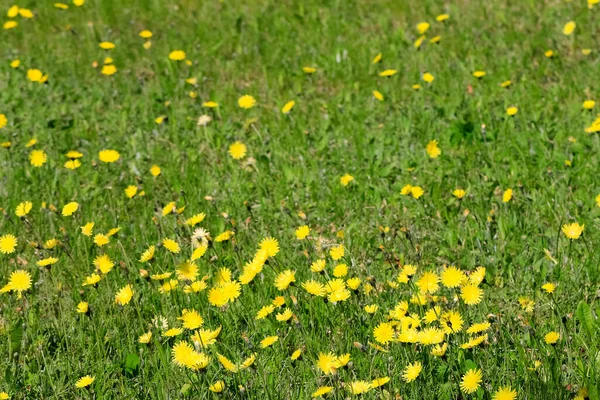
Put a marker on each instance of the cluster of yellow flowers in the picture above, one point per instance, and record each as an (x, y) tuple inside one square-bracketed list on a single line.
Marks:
[(432, 312)]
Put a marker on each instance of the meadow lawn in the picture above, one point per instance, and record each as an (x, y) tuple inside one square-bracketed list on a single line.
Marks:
[(264, 199)]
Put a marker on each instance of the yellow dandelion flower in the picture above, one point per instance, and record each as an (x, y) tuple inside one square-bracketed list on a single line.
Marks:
[(359, 387), (573, 231), (302, 232), (177, 55), (346, 179), (285, 279), (70, 208), (569, 28), (470, 381), (433, 150), (37, 158), (108, 156), (84, 381), (83, 307), (145, 338), (384, 333), (505, 393), (422, 27), (459, 193), (23, 208), (322, 390), (124, 295), (217, 387), (171, 245), (246, 101), (412, 371), (131, 191), (388, 73), (471, 294), (288, 107), (10, 25), (428, 77), (327, 363), (237, 150), (268, 341), (552, 337), (549, 287), (87, 229), (109, 70), (507, 195), (227, 364), (336, 252)]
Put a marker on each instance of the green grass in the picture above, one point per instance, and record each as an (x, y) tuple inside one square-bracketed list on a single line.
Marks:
[(294, 163)]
